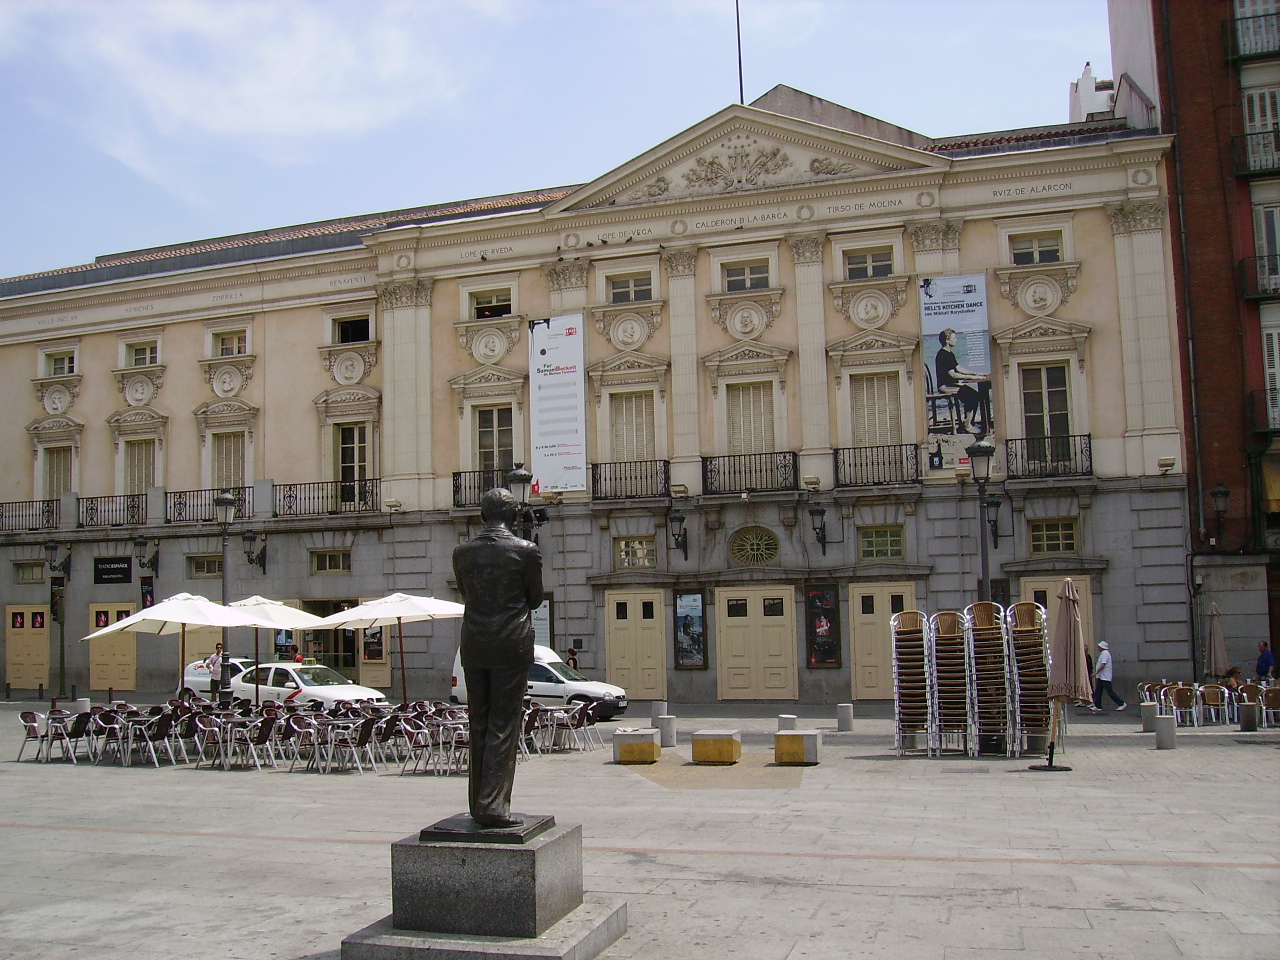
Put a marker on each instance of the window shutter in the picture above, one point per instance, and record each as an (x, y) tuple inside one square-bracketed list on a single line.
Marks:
[(228, 460), (877, 412), (139, 465), (750, 418), (632, 426), (1271, 374)]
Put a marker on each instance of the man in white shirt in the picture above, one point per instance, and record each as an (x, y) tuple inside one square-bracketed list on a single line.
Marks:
[(1102, 680), (214, 663)]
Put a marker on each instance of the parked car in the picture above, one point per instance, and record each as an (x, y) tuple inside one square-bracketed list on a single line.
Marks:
[(196, 679), (552, 681), (301, 683)]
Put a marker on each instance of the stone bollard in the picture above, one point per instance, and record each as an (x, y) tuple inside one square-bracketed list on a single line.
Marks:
[(82, 705), (667, 731), (1149, 713), (719, 747), (657, 708), (844, 717), (796, 748), (1248, 714), (786, 721), (1166, 731), (636, 746)]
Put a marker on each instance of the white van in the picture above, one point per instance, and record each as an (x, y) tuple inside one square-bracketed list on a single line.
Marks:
[(553, 682)]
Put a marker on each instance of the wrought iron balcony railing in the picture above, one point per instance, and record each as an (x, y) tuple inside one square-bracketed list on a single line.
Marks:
[(1260, 277), (870, 466), (1248, 37), (196, 506), (750, 472), (327, 497), (1257, 154), (1037, 457), (30, 515), (630, 479), (127, 510), (470, 485)]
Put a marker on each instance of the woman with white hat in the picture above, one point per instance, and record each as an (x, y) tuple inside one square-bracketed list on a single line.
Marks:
[(1102, 680)]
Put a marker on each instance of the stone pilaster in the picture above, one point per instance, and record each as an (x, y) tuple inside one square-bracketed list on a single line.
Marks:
[(686, 445), (408, 468), (936, 244), (815, 451), (567, 280)]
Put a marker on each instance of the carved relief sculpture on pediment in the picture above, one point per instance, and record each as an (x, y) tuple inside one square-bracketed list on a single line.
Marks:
[(1040, 337), (630, 369), (748, 358), (935, 236), (349, 363), (566, 275), (746, 314), (1039, 289), (138, 423), (228, 375), (489, 384), (872, 302), (489, 339), (872, 348), (57, 394), (740, 162), (228, 413), (405, 293), (348, 403), (628, 326), (55, 431), (139, 385)]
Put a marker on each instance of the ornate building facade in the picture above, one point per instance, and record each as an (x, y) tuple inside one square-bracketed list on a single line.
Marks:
[(794, 320)]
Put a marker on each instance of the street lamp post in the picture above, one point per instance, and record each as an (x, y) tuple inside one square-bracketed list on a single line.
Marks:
[(224, 507), (980, 453), (518, 482), (1221, 496), (58, 605)]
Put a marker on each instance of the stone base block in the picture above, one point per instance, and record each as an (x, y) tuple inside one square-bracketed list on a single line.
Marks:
[(637, 746), (1166, 733), (796, 748), (1149, 713), (582, 935), (717, 746), (487, 889)]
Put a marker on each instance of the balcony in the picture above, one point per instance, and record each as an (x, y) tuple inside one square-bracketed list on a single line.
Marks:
[(327, 498), (1260, 277), (29, 515), (196, 506), (629, 480), (1036, 458), (1247, 38), (1257, 154), (470, 485), (750, 473), (129, 510), (872, 466)]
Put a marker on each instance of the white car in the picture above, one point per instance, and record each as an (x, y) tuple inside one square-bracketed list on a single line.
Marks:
[(196, 679), (554, 682), (301, 683)]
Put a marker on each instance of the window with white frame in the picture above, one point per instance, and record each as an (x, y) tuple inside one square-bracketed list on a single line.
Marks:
[(1046, 413), (228, 460), (331, 561), (631, 420), (352, 455), (1035, 248), (865, 264), (353, 329), (490, 303), (494, 438), (57, 471), (139, 465), (740, 277), (1053, 536), (750, 417), (61, 363), (231, 343), (876, 409), (631, 288), (142, 353), (28, 571), (880, 542), (206, 567), (632, 553)]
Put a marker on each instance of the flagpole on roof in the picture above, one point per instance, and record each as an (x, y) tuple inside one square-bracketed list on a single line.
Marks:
[(737, 19)]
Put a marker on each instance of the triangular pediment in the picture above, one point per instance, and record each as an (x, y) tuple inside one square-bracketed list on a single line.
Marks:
[(488, 375), (629, 362), (872, 348), (744, 149), (1043, 336)]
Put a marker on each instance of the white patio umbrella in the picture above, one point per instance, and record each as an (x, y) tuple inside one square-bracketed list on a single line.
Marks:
[(175, 614), (281, 616), (1215, 656), (1068, 672), (396, 608)]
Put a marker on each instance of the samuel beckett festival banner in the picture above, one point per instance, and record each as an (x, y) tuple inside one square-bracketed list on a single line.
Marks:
[(558, 404)]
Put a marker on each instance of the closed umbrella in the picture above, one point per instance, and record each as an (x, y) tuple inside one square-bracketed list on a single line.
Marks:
[(1068, 672), (398, 608), (281, 616), (1215, 657)]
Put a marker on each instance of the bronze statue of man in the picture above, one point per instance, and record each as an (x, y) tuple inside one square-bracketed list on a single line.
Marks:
[(500, 578)]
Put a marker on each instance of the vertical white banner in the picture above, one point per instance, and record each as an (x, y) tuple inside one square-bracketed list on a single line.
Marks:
[(558, 404)]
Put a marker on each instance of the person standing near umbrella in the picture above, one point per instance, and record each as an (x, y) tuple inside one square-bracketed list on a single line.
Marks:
[(214, 663), (1102, 680), (500, 578)]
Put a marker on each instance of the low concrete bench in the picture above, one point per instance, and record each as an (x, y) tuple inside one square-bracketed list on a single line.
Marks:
[(796, 748), (717, 746), (636, 746)]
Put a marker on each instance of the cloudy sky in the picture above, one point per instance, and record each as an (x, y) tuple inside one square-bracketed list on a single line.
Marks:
[(128, 124)]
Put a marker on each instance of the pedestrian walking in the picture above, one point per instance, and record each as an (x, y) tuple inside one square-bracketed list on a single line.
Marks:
[(1266, 665), (1102, 680)]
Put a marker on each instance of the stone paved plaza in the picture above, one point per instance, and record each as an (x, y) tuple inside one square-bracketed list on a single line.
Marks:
[(1135, 853)]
